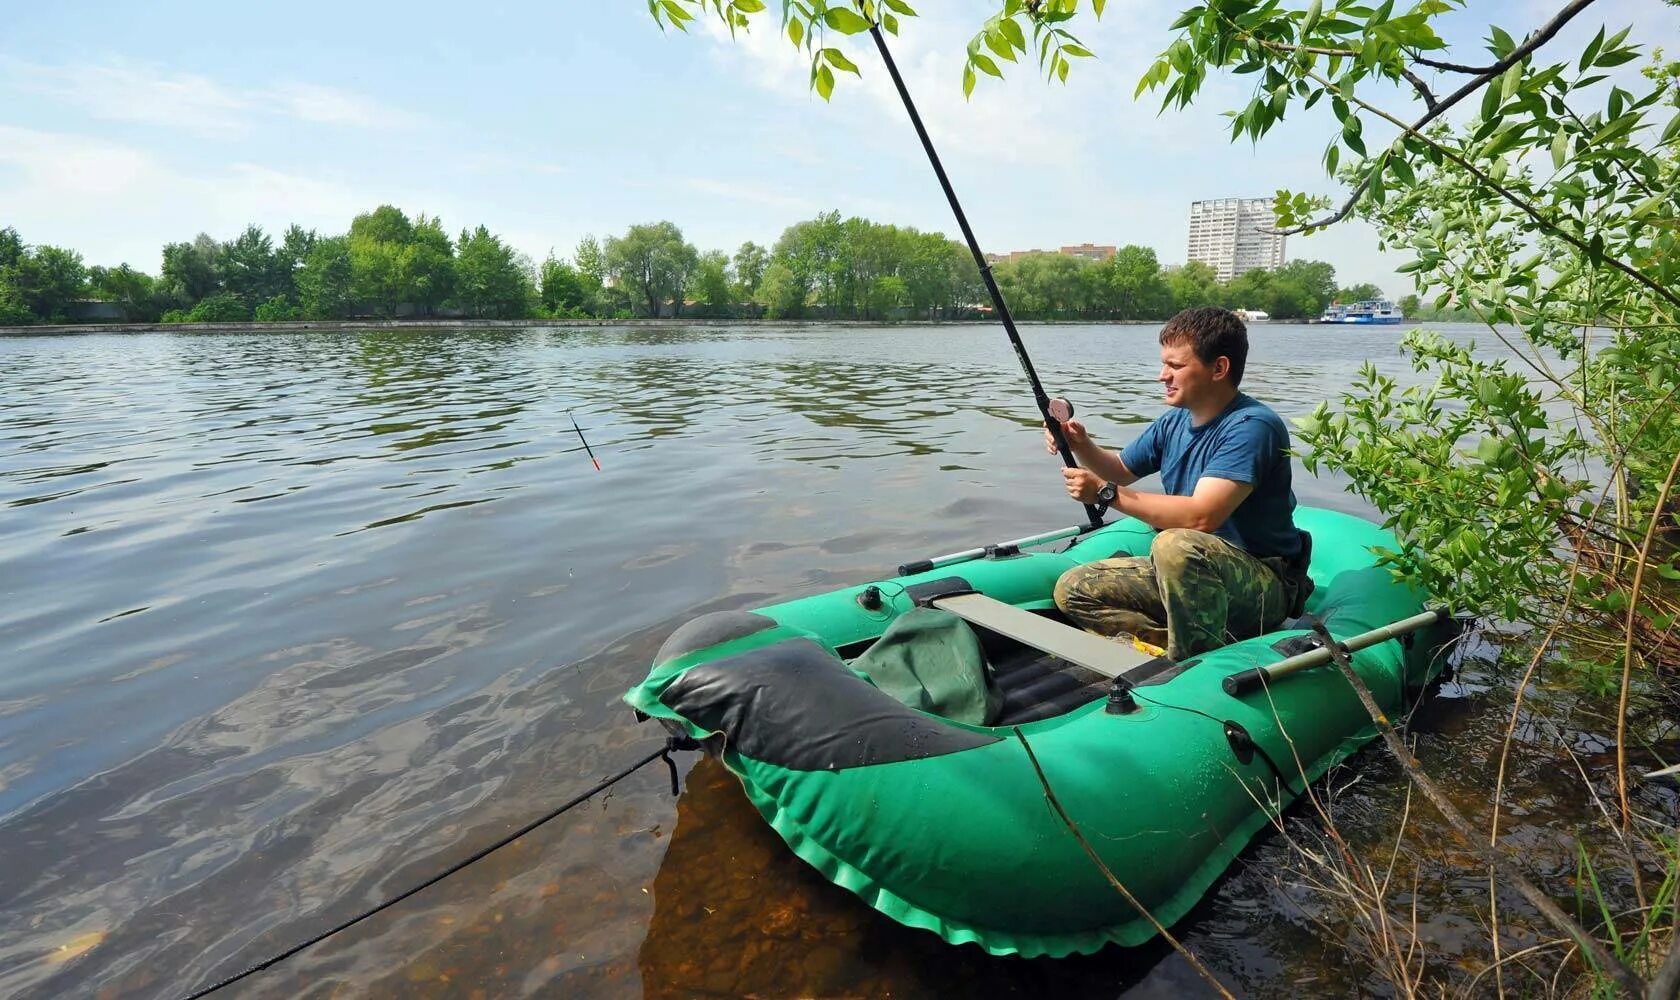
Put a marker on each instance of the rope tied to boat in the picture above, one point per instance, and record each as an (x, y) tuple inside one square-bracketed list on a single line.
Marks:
[(663, 753)]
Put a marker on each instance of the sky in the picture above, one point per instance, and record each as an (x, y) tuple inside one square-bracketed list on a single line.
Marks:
[(124, 126)]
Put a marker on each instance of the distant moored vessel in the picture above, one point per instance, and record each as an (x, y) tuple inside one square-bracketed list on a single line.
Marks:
[(1363, 312), (1253, 315)]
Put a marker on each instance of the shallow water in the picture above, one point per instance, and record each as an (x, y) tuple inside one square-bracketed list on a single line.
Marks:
[(294, 620)]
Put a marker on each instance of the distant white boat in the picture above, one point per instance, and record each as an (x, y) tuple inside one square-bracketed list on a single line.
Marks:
[(1363, 313), (1253, 315)]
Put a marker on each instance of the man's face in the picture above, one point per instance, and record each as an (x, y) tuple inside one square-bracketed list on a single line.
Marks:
[(1187, 379)]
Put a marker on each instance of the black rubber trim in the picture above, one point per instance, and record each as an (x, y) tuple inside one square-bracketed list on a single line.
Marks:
[(793, 705), (1295, 645), (924, 594), (1158, 671), (709, 630)]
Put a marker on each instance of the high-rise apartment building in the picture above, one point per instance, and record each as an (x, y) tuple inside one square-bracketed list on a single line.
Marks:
[(1232, 234)]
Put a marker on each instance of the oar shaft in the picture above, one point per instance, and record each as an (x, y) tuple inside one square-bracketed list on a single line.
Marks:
[(1092, 512), (923, 565), (1253, 679)]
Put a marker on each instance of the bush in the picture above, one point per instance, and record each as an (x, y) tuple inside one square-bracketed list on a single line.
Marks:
[(279, 309), (219, 308)]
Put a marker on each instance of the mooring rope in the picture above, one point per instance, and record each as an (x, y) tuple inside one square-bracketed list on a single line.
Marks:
[(671, 743)]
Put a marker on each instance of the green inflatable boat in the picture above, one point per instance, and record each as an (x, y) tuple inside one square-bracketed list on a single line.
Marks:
[(875, 729)]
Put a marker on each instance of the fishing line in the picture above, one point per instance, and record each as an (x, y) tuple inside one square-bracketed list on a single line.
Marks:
[(671, 743)]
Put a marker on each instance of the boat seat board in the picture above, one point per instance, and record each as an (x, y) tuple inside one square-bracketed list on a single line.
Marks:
[(1085, 649)]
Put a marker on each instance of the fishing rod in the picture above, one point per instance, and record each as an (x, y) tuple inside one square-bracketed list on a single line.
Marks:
[(1094, 512)]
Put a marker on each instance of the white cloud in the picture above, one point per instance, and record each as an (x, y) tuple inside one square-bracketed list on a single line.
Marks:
[(752, 193), (110, 201), (120, 90)]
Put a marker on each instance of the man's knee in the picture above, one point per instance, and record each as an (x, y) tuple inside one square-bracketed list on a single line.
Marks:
[(1173, 549), (1070, 587)]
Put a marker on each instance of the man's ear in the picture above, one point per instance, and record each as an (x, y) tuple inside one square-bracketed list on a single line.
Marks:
[(1221, 367)]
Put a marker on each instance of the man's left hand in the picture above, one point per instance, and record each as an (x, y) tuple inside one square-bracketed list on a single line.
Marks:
[(1082, 484)]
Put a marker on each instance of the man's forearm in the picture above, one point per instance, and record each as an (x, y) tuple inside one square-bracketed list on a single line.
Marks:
[(1162, 511), (1106, 464)]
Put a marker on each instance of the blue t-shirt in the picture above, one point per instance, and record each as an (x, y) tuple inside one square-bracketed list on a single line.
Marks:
[(1247, 443)]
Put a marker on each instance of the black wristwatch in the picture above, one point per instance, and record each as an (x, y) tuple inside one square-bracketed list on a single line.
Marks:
[(1105, 495)]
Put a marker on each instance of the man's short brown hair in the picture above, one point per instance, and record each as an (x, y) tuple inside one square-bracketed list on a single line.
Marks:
[(1212, 333)]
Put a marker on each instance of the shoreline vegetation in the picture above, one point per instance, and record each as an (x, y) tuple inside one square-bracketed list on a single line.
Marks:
[(391, 267), (640, 322)]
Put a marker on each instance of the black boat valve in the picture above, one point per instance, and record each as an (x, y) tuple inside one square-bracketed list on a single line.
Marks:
[(1120, 700), (870, 598)]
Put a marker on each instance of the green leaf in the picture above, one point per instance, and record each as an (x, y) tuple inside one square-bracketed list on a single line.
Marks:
[(968, 81), (996, 41), (1560, 149), (749, 6), (838, 60), (1097, 5), (890, 22), (1501, 43), (1591, 50), (1013, 32), (901, 7), (825, 82), (1312, 17), (1672, 130), (1509, 83), (844, 21), (1077, 50), (985, 65)]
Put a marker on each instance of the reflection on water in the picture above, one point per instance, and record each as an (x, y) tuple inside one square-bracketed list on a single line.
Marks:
[(293, 620)]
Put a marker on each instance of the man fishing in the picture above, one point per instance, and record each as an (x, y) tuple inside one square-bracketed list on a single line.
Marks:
[(1225, 565)]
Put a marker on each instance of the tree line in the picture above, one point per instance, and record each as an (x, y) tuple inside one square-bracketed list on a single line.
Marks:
[(389, 265)]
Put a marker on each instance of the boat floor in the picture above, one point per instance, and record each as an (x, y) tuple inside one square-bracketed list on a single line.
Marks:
[(1038, 685)]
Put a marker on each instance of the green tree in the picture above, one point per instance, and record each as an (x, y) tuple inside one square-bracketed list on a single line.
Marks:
[(377, 273), (653, 263), (11, 248), (134, 291), (563, 289), (326, 281), (711, 284), (489, 280), (385, 224), (1192, 284), (750, 262), (1359, 293), (47, 280), (251, 271), (191, 271), (1136, 289), (427, 269), (781, 292)]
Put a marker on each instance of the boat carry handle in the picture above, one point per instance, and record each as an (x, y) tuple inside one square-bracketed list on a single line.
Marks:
[(1253, 679)]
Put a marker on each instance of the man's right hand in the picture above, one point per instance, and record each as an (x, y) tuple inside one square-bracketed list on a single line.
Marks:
[(1074, 431)]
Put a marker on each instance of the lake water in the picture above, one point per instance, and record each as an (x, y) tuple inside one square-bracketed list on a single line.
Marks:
[(291, 621)]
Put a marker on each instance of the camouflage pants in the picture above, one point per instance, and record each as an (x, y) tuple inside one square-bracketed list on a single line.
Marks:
[(1192, 593)]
